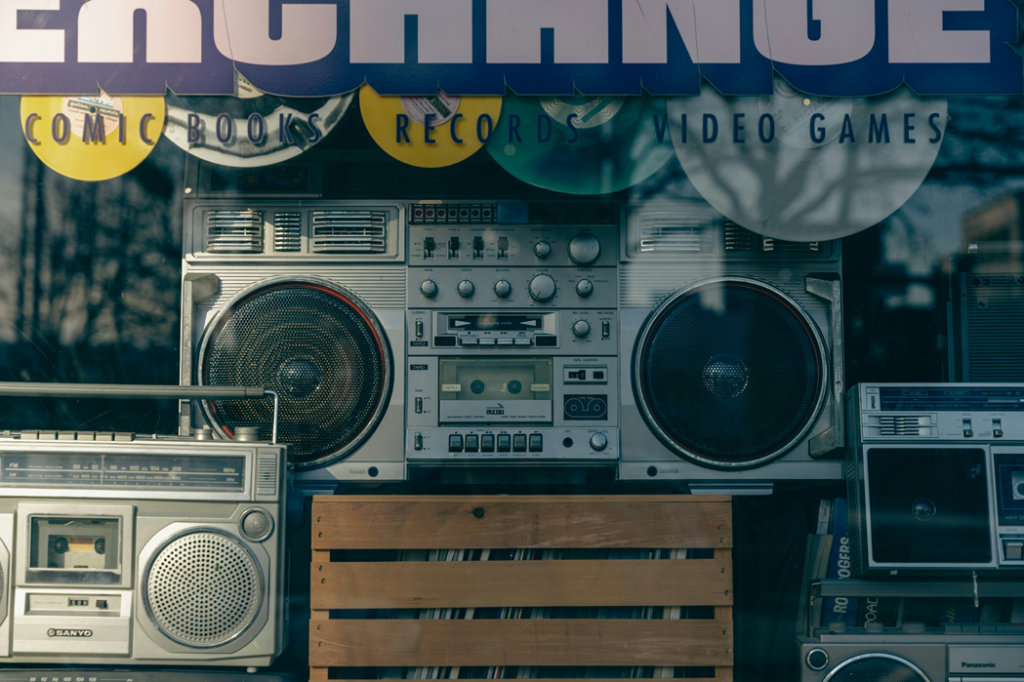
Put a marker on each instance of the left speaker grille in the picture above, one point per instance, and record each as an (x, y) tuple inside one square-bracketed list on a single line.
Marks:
[(203, 589), (319, 348)]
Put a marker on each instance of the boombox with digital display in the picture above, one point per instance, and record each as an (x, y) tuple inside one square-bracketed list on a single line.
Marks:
[(935, 477)]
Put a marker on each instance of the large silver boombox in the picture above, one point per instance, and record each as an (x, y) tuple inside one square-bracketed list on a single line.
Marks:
[(120, 549), (655, 339)]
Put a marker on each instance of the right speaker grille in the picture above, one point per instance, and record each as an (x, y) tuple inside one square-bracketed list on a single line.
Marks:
[(876, 668), (730, 373), (203, 589)]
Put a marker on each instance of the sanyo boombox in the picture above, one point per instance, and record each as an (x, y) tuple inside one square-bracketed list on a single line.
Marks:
[(914, 653), (935, 477), (657, 341), (118, 549)]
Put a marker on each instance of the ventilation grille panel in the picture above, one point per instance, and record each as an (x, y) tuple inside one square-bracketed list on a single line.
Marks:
[(349, 231), (203, 589), (234, 231), (904, 425), (287, 231), (266, 475), (995, 322), (673, 232), (738, 238)]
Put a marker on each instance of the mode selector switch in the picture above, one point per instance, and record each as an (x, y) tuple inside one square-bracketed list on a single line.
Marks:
[(968, 429)]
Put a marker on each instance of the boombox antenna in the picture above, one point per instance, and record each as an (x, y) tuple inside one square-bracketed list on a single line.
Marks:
[(140, 392)]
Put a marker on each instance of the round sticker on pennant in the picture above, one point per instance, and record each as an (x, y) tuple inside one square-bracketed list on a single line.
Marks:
[(251, 129), (92, 138), (442, 107), (457, 128)]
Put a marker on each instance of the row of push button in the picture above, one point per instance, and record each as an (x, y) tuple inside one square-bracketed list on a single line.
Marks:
[(506, 442), (500, 341)]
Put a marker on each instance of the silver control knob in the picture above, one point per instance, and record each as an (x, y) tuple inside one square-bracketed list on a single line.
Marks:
[(466, 289), (599, 441), (584, 288), (584, 249), (542, 249), (542, 288), (581, 328), (502, 288), (428, 288)]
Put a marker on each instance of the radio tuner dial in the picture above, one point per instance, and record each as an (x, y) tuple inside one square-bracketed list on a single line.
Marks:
[(584, 249), (581, 329), (428, 288), (502, 288), (466, 289), (542, 249), (599, 442), (542, 288), (584, 288)]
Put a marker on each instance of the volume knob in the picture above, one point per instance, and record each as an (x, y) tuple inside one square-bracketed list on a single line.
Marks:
[(584, 249), (466, 288), (542, 288)]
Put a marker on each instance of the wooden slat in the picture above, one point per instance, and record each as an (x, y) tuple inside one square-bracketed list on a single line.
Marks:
[(465, 584), (530, 521), (724, 613), (318, 618), (411, 643)]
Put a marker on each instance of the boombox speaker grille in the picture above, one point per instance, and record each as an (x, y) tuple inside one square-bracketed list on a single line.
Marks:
[(876, 668), (730, 373), (319, 347), (203, 589)]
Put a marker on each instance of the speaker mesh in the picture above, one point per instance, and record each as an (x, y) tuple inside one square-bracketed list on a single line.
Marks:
[(730, 373), (321, 352), (256, 524), (876, 668), (203, 589)]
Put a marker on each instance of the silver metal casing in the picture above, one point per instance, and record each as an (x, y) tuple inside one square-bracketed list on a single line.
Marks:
[(666, 251), (173, 510), (897, 421), (303, 241), (935, 655)]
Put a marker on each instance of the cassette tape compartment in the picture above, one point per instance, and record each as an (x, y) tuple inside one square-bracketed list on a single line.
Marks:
[(558, 529)]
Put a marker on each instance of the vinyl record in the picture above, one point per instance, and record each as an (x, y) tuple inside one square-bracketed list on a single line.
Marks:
[(381, 114), (227, 126), (803, 188), (612, 144), (117, 142)]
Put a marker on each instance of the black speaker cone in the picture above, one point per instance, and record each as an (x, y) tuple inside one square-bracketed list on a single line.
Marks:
[(730, 373), (319, 347)]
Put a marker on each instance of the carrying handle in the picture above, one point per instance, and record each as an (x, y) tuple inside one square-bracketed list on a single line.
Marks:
[(140, 392), (834, 437)]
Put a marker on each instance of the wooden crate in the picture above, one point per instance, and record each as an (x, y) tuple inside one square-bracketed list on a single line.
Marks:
[(496, 522)]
